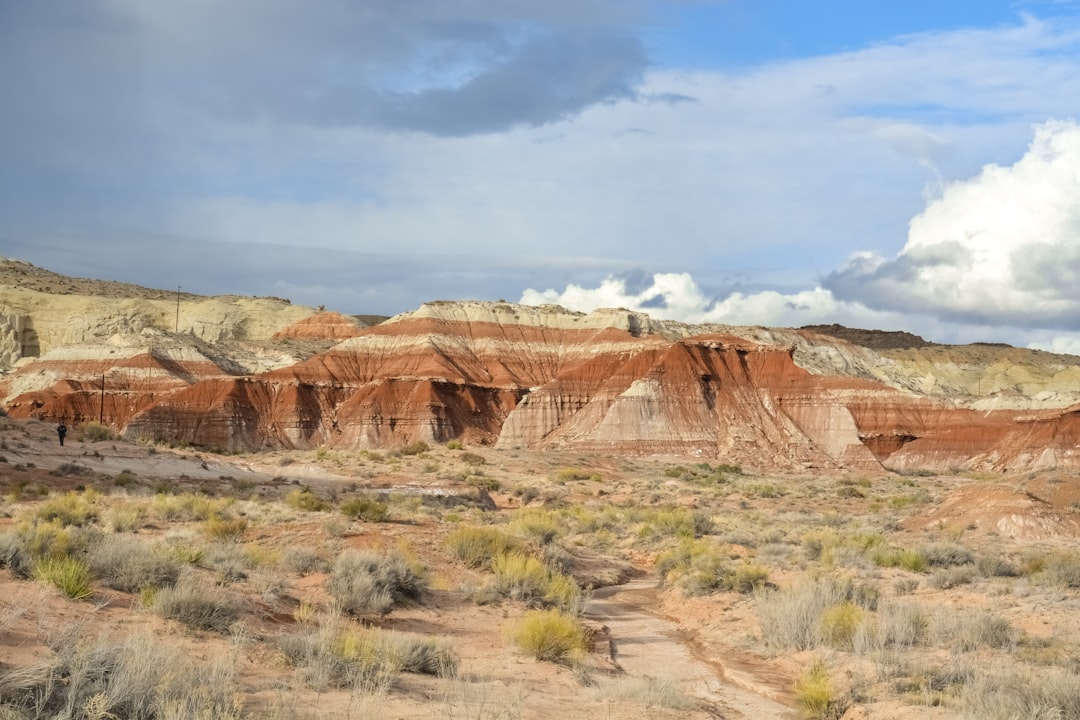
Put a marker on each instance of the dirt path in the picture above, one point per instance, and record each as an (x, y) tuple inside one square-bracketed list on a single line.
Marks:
[(645, 644)]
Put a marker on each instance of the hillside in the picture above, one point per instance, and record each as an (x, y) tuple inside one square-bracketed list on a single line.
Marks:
[(244, 374)]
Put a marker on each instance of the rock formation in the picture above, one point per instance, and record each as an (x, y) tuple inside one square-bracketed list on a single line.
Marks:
[(251, 374)]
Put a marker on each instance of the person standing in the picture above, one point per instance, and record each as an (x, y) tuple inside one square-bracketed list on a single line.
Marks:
[(61, 430)]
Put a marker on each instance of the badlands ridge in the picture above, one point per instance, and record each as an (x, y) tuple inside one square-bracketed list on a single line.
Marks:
[(234, 373)]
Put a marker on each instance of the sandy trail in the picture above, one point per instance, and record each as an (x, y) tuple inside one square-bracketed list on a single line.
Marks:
[(645, 644)]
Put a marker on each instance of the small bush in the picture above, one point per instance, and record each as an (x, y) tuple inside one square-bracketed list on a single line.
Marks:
[(72, 508), (366, 508), (454, 445), (479, 546), (568, 474), (815, 694), (840, 623), (306, 500), (471, 458), (947, 555), (225, 529), (365, 583), (550, 635), (303, 561), (912, 560), (95, 432), (523, 577), (129, 565), (414, 448), (70, 575), (196, 606)]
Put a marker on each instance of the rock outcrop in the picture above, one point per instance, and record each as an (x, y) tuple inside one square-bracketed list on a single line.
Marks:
[(520, 376)]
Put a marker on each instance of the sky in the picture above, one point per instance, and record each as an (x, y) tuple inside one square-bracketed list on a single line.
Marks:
[(901, 166)]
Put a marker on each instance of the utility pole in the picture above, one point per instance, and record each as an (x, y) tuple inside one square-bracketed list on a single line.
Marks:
[(177, 309)]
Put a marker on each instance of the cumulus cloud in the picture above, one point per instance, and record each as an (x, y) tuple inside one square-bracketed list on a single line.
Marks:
[(996, 254), (1000, 248)]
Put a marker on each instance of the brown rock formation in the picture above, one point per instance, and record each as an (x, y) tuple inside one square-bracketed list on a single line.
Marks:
[(610, 381)]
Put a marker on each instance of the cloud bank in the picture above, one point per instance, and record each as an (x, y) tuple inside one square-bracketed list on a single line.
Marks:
[(998, 250)]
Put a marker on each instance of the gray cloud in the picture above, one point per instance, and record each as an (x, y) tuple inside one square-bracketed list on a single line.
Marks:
[(446, 67)]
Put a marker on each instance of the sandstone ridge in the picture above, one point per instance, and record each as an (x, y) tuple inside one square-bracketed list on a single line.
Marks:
[(260, 373)]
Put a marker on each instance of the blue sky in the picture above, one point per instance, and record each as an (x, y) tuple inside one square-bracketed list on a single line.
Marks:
[(906, 166)]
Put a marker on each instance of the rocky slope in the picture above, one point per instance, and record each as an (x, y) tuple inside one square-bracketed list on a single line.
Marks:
[(260, 373)]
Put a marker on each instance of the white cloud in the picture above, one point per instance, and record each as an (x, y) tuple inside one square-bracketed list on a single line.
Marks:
[(1002, 247)]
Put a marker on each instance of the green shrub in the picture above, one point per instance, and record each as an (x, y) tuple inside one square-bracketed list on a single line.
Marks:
[(912, 560), (225, 529), (815, 694), (454, 444), (365, 583), (70, 575), (306, 500), (700, 567), (523, 577), (479, 546), (550, 635), (366, 508), (839, 624), (71, 508)]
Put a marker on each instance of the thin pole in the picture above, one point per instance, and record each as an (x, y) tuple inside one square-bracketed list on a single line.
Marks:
[(101, 412), (177, 309)]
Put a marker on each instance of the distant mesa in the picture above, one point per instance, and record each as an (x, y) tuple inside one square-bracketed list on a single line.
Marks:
[(247, 374)]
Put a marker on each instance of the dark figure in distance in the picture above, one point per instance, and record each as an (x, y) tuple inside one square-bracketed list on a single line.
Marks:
[(61, 430)]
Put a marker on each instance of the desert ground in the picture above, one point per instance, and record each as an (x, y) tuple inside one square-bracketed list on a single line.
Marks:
[(147, 581)]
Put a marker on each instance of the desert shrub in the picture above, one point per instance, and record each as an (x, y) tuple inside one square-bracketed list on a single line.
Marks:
[(137, 678), (897, 626), (71, 508), (699, 567), (947, 555), (367, 508), (454, 444), (65, 469), (523, 577), (674, 523), (550, 635), (543, 526), (197, 606), (568, 474), (95, 432), (414, 448), (364, 583), (478, 546), (68, 574), (124, 478), (303, 561), (949, 577), (995, 566), (188, 506), (1021, 694), (130, 565), (970, 629), (1061, 568), (840, 623), (471, 458), (482, 481), (306, 500), (815, 693), (225, 529), (124, 518), (912, 560), (791, 617), (35, 540)]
